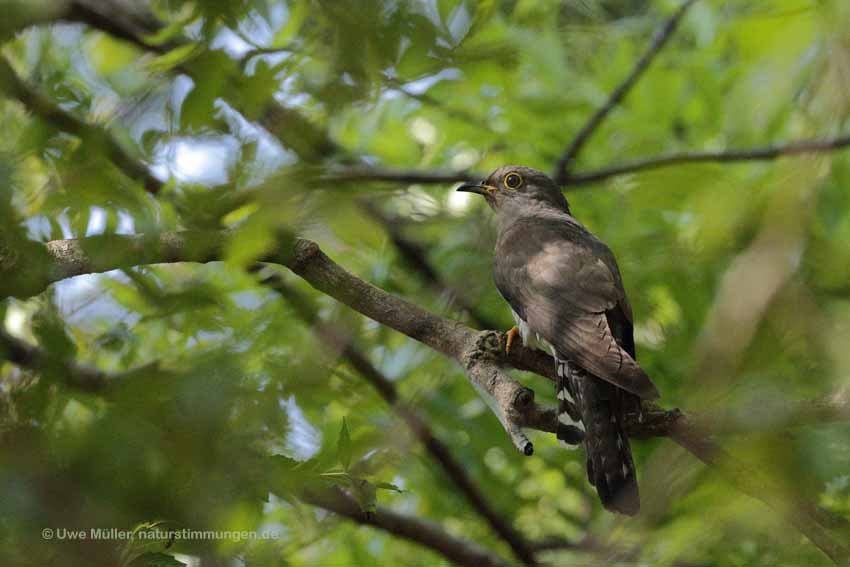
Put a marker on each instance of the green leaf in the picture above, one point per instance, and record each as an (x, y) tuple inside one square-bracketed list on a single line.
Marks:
[(338, 478), (210, 72), (388, 486), (344, 446), (174, 58)]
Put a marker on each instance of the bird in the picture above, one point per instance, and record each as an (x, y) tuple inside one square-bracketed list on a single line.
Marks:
[(563, 286)]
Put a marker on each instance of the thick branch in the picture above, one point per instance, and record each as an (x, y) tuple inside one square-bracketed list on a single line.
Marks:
[(764, 417), (641, 65), (413, 529), (72, 257), (451, 338), (508, 398), (96, 254), (30, 274), (770, 415), (765, 153)]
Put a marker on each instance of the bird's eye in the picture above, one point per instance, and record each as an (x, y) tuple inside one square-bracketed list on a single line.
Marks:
[(513, 180)]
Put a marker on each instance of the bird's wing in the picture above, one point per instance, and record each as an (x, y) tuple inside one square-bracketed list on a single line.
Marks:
[(564, 282)]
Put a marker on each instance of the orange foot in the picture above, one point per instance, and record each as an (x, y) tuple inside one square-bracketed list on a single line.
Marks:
[(511, 335)]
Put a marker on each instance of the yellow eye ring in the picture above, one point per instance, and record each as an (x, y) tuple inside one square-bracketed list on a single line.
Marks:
[(512, 180)]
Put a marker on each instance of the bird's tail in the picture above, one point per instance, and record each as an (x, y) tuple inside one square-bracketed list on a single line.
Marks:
[(570, 431), (610, 467)]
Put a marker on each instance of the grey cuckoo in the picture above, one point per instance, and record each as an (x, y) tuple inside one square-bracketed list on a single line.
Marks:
[(563, 286)]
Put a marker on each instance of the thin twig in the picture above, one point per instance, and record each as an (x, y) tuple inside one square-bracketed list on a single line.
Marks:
[(97, 136), (727, 156), (658, 41), (76, 375), (414, 529), (392, 175), (441, 177)]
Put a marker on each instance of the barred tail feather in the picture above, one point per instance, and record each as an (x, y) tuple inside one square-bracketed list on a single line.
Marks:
[(610, 467), (570, 431)]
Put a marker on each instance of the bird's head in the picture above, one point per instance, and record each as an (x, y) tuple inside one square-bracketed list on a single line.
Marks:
[(516, 185)]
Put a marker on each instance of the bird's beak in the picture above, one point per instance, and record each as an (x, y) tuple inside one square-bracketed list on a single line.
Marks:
[(480, 188)]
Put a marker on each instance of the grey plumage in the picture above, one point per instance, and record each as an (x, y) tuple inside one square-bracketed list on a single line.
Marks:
[(564, 284)]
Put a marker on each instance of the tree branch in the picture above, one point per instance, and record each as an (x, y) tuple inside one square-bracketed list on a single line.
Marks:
[(102, 253), (560, 175), (475, 351), (416, 530), (763, 417), (480, 354), (393, 175), (130, 21), (765, 153), (77, 376), (439, 177), (67, 258)]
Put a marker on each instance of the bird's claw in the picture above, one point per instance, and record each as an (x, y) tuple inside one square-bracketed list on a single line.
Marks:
[(510, 336)]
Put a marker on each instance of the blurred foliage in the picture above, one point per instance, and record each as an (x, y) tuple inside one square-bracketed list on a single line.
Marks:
[(738, 274)]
